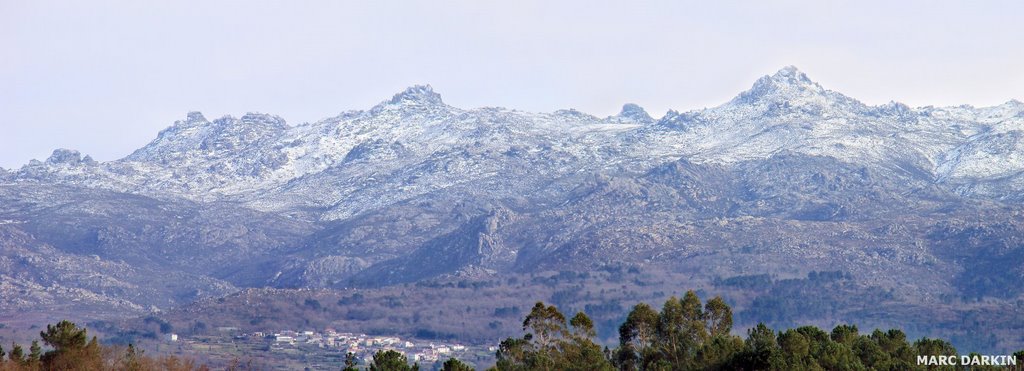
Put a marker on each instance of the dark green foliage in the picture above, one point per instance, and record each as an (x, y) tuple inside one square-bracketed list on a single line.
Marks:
[(845, 334), (453, 364), (552, 343), (71, 351), (390, 360), (166, 328), (759, 282), (761, 350), (685, 335), (718, 316), (515, 354), (17, 355), (935, 347), (835, 356), (35, 353), (506, 311), (718, 351), (784, 303), (64, 336), (312, 304), (354, 299), (637, 337)]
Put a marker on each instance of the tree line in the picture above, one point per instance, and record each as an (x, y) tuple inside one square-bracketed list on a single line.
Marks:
[(70, 348), (686, 334)]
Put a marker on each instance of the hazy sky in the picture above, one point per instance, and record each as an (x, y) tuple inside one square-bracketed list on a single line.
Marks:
[(105, 77)]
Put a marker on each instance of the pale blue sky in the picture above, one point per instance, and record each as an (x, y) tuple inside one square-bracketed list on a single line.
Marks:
[(104, 77)]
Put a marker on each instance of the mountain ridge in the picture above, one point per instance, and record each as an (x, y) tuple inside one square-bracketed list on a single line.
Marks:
[(783, 111), (786, 178)]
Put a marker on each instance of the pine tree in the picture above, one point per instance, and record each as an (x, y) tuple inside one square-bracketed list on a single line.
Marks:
[(845, 334), (390, 360), (453, 364), (64, 336), (17, 355), (761, 350), (35, 352)]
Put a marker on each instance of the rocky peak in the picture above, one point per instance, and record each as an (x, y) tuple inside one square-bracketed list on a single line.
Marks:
[(787, 83), (69, 157), (263, 120), (195, 117), (894, 108), (1014, 105), (574, 115), (635, 113), (790, 75), (418, 94)]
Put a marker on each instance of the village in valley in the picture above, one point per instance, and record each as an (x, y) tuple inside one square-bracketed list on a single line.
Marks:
[(320, 349)]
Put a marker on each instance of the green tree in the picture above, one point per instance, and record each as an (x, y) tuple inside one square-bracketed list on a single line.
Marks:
[(718, 351), (546, 324), (817, 339), (870, 353), (761, 351), (35, 352), (796, 350), (64, 335), (580, 352), (548, 344), (637, 336), (935, 347), (718, 316), (515, 354), (350, 362), (453, 364), (70, 349), (582, 326), (390, 360), (836, 356), (894, 344), (671, 333), (694, 330), (845, 334), (17, 355)]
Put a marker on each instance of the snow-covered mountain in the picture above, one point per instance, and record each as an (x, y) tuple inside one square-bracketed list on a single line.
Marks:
[(414, 143), (785, 178)]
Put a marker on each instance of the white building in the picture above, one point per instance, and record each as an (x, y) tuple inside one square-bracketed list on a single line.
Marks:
[(284, 339)]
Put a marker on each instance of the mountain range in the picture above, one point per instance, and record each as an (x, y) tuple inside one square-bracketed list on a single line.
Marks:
[(786, 178)]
